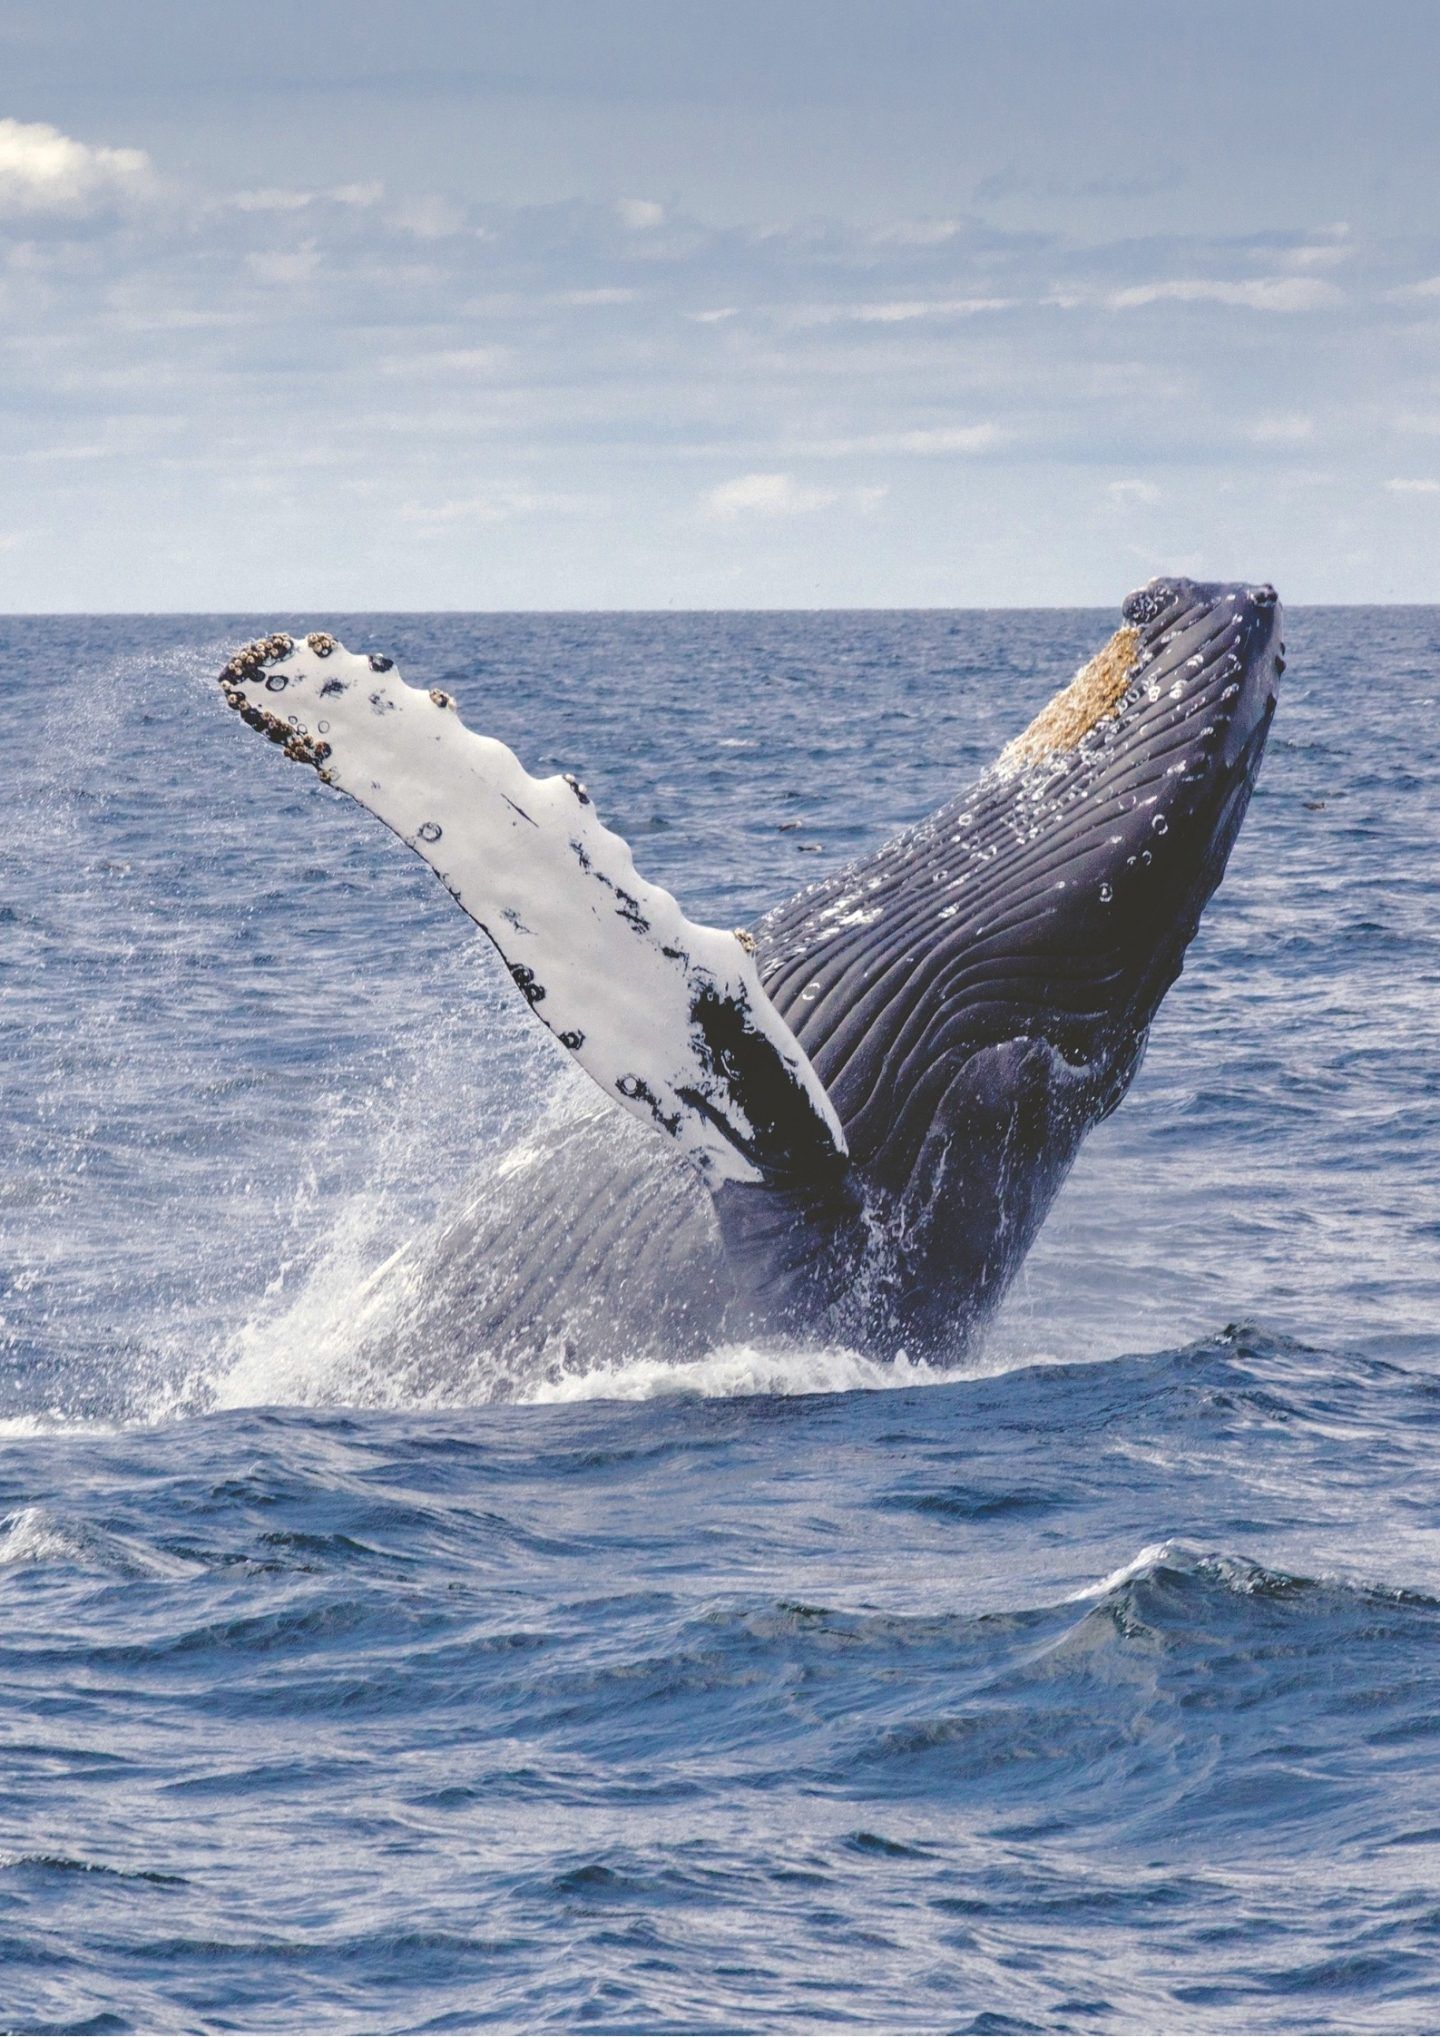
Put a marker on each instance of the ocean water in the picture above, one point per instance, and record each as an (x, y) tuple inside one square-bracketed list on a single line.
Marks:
[(1097, 1688)]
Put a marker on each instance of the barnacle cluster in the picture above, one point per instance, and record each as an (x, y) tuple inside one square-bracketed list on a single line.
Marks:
[(1096, 691), (254, 665), (250, 662)]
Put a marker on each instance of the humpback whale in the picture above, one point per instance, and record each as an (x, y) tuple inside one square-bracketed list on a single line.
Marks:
[(848, 1121)]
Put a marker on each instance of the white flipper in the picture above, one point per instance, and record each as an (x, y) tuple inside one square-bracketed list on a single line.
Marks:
[(668, 1017)]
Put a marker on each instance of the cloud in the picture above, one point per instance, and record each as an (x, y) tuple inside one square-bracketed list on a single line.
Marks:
[(278, 198), (919, 233), (43, 171), (1429, 288), (640, 214), (1404, 487), (782, 495), (899, 311), (1320, 254), (928, 439), (492, 505), (431, 217), (1122, 493), (1286, 428), (284, 266), (1024, 183), (1261, 293), (446, 361)]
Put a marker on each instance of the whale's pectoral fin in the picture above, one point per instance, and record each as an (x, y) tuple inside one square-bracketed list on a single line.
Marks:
[(667, 1016)]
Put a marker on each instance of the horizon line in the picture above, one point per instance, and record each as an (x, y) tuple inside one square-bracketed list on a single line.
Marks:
[(865, 608)]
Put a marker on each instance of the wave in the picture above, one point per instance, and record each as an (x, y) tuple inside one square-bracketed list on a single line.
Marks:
[(36, 1537), (1177, 1563)]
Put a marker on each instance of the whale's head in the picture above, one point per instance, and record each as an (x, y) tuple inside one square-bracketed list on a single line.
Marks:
[(979, 994), (1133, 781), (1184, 649), (1193, 665)]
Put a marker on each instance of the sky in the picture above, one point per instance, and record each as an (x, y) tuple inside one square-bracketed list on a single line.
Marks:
[(348, 304)]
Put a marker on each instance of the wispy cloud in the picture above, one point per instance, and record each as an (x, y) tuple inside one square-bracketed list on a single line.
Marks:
[(901, 311), (919, 233), (279, 198), (927, 440), (465, 361), (1132, 494), (498, 504), (1401, 486), (1256, 293), (640, 214), (285, 267), (783, 495), (1284, 428)]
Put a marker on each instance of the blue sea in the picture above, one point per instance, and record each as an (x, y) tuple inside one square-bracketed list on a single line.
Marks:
[(1095, 1688)]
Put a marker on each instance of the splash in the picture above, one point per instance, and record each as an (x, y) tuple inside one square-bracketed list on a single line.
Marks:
[(739, 1371)]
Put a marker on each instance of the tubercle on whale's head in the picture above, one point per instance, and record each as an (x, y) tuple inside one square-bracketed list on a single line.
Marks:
[(1211, 644)]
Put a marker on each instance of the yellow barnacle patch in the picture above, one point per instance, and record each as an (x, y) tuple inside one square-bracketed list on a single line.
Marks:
[(1094, 692)]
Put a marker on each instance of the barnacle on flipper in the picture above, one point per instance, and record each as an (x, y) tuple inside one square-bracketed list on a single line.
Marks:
[(250, 662), (248, 667)]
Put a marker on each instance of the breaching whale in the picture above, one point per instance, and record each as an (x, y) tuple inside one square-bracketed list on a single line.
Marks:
[(847, 1122)]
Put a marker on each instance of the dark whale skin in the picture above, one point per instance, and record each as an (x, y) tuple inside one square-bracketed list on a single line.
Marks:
[(984, 999)]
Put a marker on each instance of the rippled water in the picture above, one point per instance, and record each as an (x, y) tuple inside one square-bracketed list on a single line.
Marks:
[(1097, 1689)]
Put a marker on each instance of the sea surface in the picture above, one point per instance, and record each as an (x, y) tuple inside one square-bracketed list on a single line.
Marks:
[(1095, 1688)]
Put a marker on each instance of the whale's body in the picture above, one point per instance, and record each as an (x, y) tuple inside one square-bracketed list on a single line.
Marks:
[(866, 1104)]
